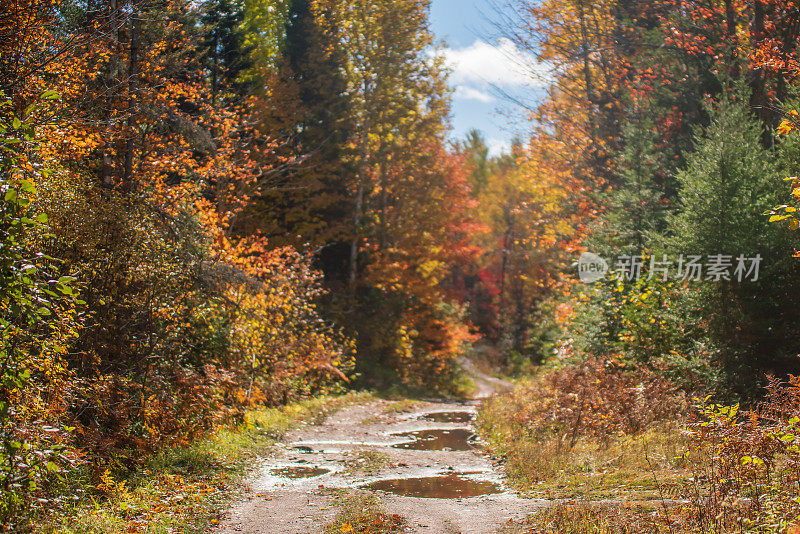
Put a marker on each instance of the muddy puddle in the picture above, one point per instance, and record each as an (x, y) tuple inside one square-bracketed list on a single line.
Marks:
[(441, 487), (449, 417), (295, 473), (456, 439)]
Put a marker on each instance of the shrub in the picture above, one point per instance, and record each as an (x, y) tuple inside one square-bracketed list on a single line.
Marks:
[(747, 463), (39, 320), (579, 428)]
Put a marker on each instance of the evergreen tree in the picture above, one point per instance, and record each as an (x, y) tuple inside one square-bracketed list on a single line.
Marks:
[(729, 181), (307, 202), (226, 56), (477, 156), (629, 228), (636, 205)]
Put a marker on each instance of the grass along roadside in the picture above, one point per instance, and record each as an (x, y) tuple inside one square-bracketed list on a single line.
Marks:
[(636, 468), (550, 457), (727, 470), (186, 490), (361, 513), (577, 518), (603, 480)]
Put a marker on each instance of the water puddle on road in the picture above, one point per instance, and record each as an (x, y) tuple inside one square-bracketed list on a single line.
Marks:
[(456, 439), (442, 487), (449, 417), (294, 473)]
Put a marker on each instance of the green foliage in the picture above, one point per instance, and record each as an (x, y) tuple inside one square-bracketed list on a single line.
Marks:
[(224, 49), (263, 28), (481, 165), (650, 323), (745, 463), (720, 333), (37, 316), (730, 180), (308, 111), (636, 208)]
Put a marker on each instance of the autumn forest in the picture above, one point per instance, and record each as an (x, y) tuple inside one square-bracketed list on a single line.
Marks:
[(224, 221)]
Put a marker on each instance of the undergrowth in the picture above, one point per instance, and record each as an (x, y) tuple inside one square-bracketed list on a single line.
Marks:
[(575, 518), (648, 462), (182, 489), (746, 464), (588, 432), (362, 513)]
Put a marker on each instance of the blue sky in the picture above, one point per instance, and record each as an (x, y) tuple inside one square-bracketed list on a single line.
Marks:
[(482, 63)]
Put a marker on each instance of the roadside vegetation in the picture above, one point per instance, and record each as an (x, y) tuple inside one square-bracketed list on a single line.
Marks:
[(577, 518), (666, 398), (362, 513), (183, 489), (208, 208), (588, 433), (696, 467)]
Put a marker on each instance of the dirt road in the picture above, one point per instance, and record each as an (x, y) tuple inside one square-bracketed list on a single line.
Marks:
[(419, 457)]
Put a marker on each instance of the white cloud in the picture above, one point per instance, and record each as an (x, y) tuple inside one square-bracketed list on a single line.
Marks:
[(498, 146), (501, 64), (470, 93)]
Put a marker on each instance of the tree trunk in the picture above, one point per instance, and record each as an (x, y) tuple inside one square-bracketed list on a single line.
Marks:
[(107, 168), (730, 16), (363, 169), (384, 205), (127, 179), (758, 96), (587, 70), (359, 205), (507, 236)]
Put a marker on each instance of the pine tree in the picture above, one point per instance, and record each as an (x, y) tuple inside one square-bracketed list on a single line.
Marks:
[(729, 182), (307, 111), (226, 55), (477, 154), (636, 208)]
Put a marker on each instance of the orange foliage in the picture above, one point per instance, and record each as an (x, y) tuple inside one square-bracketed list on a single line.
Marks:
[(182, 323)]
